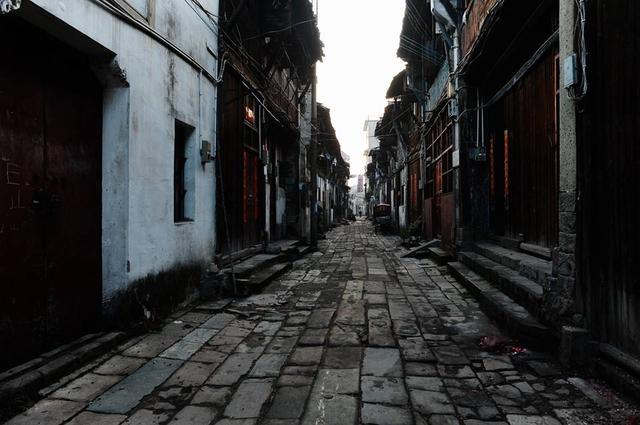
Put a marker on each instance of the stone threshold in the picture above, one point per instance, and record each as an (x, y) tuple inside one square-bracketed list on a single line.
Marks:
[(27, 378)]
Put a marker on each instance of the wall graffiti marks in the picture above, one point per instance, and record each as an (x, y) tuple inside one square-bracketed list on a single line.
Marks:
[(13, 173), (13, 192)]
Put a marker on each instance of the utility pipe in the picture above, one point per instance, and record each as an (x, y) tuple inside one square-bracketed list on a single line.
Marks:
[(314, 160)]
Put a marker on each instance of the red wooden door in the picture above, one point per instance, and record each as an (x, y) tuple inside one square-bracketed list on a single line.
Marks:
[(240, 174), (50, 194), (251, 197), (524, 158)]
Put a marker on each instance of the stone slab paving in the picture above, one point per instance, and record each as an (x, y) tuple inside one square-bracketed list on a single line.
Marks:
[(353, 334)]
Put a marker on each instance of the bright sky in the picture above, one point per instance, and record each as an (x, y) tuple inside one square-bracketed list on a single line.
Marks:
[(360, 41)]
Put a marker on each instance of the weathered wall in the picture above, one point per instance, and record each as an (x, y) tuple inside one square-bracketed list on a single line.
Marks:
[(475, 18), (304, 172), (140, 237), (559, 294)]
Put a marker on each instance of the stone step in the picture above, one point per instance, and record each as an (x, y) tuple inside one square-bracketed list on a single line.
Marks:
[(533, 268), (515, 318), (253, 264), (263, 277), (225, 260), (305, 249), (618, 375), (525, 291), (289, 247), (27, 379), (439, 255)]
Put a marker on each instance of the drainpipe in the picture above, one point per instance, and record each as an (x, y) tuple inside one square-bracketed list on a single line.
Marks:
[(456, 137), (456, 85), (448, 18), (314, 161)]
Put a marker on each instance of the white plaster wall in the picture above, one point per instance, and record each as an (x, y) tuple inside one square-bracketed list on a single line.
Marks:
[(139, 232)]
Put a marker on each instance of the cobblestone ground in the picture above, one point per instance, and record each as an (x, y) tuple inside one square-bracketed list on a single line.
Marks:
[(353, 334)]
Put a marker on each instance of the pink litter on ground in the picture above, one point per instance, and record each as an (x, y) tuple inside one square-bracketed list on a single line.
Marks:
[(500, 344)]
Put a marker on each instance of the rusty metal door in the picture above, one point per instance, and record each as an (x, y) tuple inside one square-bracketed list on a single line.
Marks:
[(50, 193)]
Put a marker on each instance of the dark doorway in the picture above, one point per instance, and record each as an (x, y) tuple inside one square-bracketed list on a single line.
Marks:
[(50, 193)]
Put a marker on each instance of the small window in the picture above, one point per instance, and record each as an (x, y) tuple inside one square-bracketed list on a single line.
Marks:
[(183, 173)]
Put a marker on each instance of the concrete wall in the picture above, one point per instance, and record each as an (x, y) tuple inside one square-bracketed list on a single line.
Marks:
[(560, 290), (154, 87)]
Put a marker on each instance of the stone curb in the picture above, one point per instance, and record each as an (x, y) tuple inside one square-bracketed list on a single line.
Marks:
[(30, 377)]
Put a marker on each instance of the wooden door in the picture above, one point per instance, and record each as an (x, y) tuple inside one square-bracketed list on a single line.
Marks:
[(607, 254), (524, 158), (437, 204), (251, 198), (439, 174), (239, 168), (50, 193)]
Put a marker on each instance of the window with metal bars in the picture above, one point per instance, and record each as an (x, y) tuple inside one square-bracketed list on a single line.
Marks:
[(183, 175)]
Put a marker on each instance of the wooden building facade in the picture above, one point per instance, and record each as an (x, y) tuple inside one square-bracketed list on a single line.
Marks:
[(268, 65), (608, 209)]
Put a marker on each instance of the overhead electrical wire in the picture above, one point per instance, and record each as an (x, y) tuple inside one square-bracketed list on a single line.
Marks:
[(421, 50), (268, 33), (431, 53), (413, 21), (204, 9), (213, 29), (580, 26), (422, 24)]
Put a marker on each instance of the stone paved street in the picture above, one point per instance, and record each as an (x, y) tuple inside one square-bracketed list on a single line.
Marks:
[(353, 334)]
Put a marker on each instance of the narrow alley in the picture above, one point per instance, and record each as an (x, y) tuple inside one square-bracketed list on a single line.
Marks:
[(354, 333), (319, 212)]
